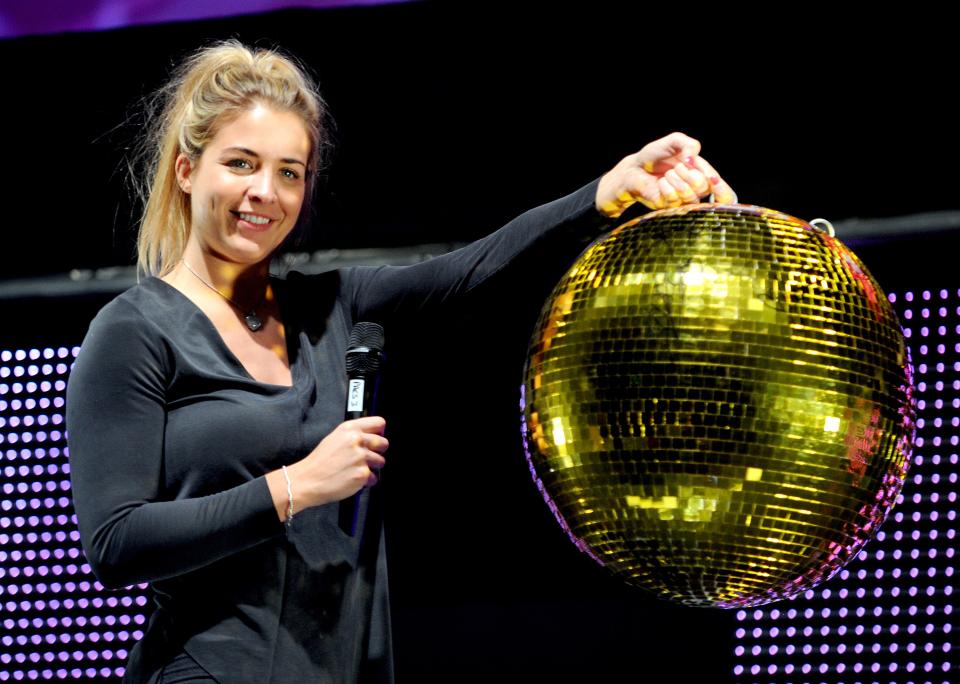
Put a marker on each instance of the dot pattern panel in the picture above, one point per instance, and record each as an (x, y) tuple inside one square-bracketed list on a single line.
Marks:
[(888, 616), (718, 404), (56, 621)]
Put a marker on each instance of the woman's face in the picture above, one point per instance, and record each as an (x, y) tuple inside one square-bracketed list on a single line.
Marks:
[(248, 185)]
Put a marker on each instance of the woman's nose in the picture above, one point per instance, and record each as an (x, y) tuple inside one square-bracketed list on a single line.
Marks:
[(263, 186)]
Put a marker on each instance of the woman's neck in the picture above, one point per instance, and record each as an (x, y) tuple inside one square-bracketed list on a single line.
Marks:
[(244, 284)]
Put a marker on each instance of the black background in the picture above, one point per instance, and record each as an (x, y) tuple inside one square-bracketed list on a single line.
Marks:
[(452, 118)]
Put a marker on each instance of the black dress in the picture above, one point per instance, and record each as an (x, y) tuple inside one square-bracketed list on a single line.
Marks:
[(170, 438)]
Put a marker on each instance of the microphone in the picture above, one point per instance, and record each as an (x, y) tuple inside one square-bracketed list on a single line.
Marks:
[(364, 355)]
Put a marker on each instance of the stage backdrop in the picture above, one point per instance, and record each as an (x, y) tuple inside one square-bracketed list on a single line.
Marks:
[(453, 118)]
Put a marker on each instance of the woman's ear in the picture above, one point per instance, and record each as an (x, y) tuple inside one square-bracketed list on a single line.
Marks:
[(183, 167)]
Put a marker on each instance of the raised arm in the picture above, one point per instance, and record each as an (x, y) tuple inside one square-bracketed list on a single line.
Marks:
[(565, 225), (665, 173)]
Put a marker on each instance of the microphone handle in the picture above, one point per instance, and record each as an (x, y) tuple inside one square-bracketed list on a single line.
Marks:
[(360, 403)]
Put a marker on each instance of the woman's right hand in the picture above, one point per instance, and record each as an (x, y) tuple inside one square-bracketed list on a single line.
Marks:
[(341, 465)]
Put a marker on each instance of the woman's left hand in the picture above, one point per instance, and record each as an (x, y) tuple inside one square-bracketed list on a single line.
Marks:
[(668, 172)]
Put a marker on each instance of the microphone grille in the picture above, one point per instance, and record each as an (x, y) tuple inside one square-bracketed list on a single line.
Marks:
[(366, 334)]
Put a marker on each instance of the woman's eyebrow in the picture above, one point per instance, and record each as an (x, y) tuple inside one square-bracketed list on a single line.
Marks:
[(242, 150)]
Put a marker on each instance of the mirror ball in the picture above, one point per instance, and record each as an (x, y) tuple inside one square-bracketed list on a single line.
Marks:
[(718, 404)]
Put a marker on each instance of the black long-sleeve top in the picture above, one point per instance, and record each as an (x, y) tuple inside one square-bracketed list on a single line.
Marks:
[(170, 439)]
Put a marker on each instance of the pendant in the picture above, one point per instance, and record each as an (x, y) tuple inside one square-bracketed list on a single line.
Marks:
[(253, 321)]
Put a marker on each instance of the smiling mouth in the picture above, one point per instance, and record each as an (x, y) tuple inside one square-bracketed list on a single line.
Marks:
[(253, 218)]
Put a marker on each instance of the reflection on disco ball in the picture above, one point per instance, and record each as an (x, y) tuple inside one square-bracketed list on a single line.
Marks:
[(718, 404)]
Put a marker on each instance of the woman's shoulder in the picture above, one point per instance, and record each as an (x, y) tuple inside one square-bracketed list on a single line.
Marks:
[(152, 317), (127, 333), (304, 287), (142, 305), (300, 280)]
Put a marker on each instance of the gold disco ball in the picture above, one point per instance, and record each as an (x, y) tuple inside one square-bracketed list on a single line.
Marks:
[(718, 404)]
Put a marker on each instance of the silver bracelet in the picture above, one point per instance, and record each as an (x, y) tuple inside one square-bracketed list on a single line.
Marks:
[(286, 477)]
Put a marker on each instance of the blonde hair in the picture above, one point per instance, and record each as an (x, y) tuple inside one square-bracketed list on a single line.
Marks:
[(211, 87)]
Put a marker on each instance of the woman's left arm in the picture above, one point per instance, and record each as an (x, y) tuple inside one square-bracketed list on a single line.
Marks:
[(667, 172)]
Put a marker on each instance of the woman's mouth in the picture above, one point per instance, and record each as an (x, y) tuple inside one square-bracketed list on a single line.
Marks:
[(252, 221)]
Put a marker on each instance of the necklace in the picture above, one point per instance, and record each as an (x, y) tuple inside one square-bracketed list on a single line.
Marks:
[(250, 318)]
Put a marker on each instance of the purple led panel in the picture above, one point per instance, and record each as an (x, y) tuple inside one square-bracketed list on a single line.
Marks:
[(888, 616), (18, 18), (56, 620)]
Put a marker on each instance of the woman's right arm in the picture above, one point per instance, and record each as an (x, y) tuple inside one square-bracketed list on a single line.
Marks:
[(344, 462), (116, 413), (115, 428)]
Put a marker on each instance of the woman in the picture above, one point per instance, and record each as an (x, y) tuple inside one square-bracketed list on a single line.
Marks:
[(205, 411)]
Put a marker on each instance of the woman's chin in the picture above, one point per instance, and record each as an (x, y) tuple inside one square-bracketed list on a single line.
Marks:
[(248, 252)]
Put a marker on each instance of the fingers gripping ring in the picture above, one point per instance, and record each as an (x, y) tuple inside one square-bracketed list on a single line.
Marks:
[(713, 200)]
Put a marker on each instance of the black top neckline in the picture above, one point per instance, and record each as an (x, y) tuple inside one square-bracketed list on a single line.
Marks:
[(221, 345)]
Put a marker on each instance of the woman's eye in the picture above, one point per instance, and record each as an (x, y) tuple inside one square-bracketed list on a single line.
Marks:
[(239, 164), (289, 174)]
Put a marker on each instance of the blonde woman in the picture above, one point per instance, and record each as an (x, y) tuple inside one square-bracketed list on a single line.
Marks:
[(205, 411)]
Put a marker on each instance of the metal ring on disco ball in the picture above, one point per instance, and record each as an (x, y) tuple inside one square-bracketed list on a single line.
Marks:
[(718, 404)]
